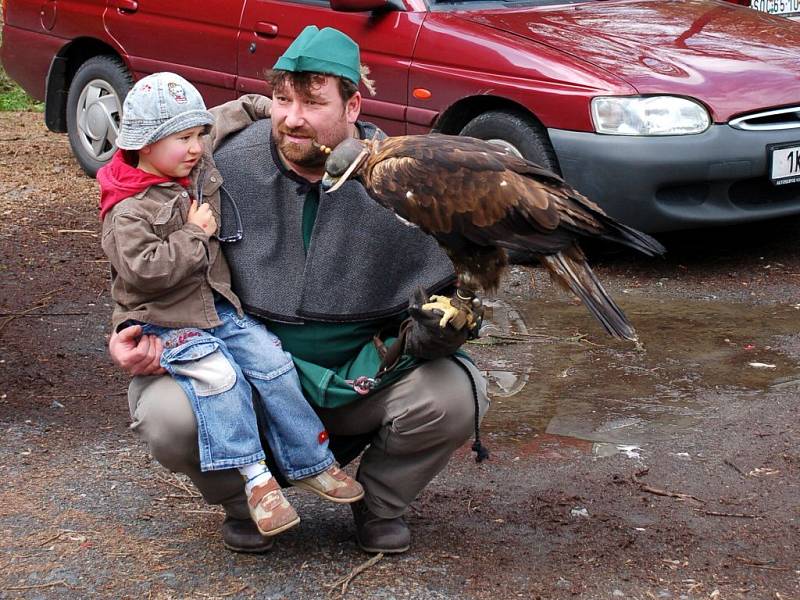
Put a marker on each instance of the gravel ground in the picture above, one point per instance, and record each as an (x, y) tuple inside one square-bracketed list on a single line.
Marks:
[(703, 505)]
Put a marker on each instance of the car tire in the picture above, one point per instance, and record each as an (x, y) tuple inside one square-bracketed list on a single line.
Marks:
[(523, 136), (94, 107), (518, 132)]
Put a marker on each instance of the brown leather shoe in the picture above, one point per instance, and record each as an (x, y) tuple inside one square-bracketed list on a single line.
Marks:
[(242, 535), (270, 511), (332, 484), (374, 534)]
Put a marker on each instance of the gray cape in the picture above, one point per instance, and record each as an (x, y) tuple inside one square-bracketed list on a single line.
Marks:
[(362, 262)]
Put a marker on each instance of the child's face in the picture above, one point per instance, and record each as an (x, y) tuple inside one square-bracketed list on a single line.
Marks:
[(174, 155)]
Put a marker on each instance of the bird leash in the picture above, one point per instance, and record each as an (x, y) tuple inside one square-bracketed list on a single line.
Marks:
[(390, 358)]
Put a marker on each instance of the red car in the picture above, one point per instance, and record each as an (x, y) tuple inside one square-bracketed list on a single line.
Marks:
[(670, 114), (786, 8)]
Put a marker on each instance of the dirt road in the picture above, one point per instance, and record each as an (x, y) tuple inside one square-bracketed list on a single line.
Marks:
[(672, 472)]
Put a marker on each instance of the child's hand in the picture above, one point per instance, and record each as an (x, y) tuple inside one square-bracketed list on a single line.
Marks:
[(202, 217)]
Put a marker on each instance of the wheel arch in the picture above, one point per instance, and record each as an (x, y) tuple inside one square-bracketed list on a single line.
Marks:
[(62, 70), (453, 120)]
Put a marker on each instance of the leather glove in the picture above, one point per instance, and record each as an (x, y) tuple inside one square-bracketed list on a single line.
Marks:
[(439, 328)]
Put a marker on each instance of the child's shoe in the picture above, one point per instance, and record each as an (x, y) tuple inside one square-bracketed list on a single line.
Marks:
[(332, 484), (270, 511)]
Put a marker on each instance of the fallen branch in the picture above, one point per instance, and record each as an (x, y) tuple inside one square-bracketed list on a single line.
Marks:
[(180, 485), (659, 492), (668, 494), (236, 591), (23, 313), (760, 564), (17, 588), (242, 588), (714, 513), (735, 467), (54, 538), (32, 315), (345, 581), (41, 302), (175, 497), (111, 451)]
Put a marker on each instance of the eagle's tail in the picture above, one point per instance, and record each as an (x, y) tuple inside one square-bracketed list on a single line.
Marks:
[(628, 236), (573, 273)]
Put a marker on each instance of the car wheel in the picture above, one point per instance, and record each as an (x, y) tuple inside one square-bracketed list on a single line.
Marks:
[(94, 106), (524, 137), (517, 132)]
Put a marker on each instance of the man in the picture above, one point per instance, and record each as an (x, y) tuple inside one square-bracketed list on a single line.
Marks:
[(331, 276)]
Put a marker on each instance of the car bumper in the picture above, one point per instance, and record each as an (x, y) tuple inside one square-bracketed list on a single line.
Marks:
[(717, 177)]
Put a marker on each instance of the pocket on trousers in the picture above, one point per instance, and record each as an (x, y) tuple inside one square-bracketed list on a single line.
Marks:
[(205, 365), (244, 322)]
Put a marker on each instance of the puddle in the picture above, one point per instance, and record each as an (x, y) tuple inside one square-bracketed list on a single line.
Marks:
[(555, 393)]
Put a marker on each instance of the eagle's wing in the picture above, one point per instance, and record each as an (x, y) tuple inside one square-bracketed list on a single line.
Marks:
[(450, 184), (456, 184)]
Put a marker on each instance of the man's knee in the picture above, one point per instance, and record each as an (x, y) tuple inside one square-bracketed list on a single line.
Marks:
[(446, 404), (163, 417)]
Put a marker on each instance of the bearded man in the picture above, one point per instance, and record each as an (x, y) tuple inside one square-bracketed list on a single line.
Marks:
[(323, 272)]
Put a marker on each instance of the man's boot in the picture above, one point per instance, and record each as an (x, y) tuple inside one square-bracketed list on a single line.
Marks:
[(242, 535), (374, 534)]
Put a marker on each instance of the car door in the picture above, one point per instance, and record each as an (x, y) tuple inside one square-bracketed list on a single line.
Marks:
[(197, 40), (386, 41)]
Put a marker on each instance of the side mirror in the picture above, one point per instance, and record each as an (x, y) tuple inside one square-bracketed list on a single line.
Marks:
[(366, 5)]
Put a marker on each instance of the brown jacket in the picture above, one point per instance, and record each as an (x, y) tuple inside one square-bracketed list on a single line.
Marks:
[(164, 271)]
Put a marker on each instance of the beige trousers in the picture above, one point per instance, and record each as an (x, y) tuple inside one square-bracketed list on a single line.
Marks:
[(418, 422)]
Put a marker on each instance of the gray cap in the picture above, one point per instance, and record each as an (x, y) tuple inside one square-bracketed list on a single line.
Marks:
[(157, 106)]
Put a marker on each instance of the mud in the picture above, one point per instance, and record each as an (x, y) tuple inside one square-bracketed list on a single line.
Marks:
[(670, 471)]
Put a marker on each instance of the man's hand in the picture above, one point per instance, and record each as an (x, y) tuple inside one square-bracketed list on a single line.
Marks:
[(202, 217), (135, 353), (427, 337)]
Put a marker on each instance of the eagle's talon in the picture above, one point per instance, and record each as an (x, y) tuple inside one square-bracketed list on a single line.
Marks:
[(443, 305)]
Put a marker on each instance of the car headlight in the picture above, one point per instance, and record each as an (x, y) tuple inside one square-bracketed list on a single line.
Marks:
[(648, 115)]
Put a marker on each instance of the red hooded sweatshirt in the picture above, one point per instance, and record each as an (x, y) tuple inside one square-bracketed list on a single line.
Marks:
[(119, 179)]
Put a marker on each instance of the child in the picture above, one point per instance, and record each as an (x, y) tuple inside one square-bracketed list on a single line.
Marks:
[(159, 204)]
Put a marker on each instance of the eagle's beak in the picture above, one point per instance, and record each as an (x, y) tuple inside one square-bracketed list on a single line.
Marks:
[(331, 184)]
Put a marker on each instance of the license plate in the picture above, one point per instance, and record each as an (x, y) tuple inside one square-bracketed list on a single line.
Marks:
[(777, 7), (784, 163)]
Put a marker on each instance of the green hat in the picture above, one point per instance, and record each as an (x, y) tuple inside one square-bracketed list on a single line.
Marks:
[(325, 50)]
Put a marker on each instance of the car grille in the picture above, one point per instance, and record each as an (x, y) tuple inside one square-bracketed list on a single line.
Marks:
[(781, 118), (759, 191), (744, 193)]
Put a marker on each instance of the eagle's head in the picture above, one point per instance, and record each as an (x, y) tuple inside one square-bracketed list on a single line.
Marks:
[(343, 161)]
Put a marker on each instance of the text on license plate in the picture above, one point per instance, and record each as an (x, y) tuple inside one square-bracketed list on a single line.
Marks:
[(785, 165), (776, 7)]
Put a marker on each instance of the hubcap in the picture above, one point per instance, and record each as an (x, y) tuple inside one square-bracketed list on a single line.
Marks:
[(507, 145), (98, 115)]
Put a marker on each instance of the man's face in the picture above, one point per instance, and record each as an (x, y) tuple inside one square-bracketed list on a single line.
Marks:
[(322, 117)]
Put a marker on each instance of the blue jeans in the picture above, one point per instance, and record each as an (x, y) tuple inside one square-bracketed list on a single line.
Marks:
[(216, 368)]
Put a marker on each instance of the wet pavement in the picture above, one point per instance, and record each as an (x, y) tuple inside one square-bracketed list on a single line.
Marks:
[(571, 394), (695, 498)]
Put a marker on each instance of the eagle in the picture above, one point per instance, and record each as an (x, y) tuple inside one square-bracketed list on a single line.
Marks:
[(478, 200)]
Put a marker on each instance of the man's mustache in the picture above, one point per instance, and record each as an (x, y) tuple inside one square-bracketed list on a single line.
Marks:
[(301, 132)]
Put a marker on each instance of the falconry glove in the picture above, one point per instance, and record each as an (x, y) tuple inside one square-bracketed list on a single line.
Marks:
[(439, 325)]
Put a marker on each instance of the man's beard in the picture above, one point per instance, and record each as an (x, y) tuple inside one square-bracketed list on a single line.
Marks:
[(304, 155)]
